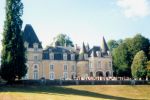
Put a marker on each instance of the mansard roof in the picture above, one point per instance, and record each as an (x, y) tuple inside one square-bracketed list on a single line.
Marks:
[(58, 52), (104, 46), (92, 51), (87, 47), (30, 36)]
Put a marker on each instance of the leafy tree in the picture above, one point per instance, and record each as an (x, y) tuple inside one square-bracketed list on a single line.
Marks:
[(63, 40), (139, 65), (13, 51), (112, 44), (138, 43), (123, 55), (120, 60), (148, 69)]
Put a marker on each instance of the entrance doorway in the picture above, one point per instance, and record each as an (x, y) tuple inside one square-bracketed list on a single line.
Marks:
[(99, 74)]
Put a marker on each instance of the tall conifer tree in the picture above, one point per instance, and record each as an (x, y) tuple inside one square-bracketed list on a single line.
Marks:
[(13, 52)]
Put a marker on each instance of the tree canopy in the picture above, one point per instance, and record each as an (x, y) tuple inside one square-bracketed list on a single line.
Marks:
[(123, 55), (139, 65), (63, 40)]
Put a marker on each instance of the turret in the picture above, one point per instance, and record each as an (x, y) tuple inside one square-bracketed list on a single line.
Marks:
[(104, 47), (83, 53)]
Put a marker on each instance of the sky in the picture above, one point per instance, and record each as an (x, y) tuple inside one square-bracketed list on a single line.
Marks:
[(84, 20)]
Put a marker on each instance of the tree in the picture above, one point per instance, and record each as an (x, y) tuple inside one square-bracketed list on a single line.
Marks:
[(139, 65), (148, 69), (63, 40), (123, 55), (13, 51), (112, 44), (120, 60), (138, 43)]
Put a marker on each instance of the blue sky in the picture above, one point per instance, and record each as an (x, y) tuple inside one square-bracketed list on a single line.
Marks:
[(85, 20)]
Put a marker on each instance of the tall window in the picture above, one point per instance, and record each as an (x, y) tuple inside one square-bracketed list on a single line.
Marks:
[(72, 56), (109, 64), (51, 68), (65, 68), (35, 45), (35, 72), (65, 56), (35, 58), (65, 75), (85, 56), (51, 56), (52, 76), (90, 64)]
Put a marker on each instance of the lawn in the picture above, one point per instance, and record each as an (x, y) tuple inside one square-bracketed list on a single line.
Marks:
[(79, 92)]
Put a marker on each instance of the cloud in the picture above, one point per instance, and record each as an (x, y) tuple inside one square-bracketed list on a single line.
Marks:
[(134, 8)]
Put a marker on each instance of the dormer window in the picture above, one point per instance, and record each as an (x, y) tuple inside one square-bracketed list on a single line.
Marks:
[(98, 53), (35, 46), (26, 44), (51, 56), (65, 56), (35, 58), (85, 56), (72, 56)]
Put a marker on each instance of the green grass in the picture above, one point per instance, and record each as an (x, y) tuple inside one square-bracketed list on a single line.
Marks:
[(79, 92)]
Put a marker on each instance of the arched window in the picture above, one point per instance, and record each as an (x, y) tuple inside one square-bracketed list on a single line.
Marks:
[(35, 72), (107, 74)]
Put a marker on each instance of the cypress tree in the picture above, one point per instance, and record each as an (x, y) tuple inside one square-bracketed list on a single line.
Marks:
[(13, 51)]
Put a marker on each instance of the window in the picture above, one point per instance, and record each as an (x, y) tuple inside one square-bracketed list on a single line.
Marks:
[(98, 53), (99, 64), (35, 45), (35, 58), (109, 64), (51, 56), (90, 64), (51, 68), (73, 68), (35, 49), (65, 56), (65, 68), (26, 44), (65, 75), (52, 76), (85, 56), (35, 72), (72, 57), (73, 75)]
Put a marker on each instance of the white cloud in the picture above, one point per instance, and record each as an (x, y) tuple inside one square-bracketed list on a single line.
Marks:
[(134, 8)]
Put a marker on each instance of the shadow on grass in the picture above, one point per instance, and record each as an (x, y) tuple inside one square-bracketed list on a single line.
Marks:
[(58, 90)]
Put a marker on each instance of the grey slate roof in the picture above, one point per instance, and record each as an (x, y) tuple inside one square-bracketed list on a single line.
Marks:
[(30, 36), (92, 52), (58, 53), (104, 46)]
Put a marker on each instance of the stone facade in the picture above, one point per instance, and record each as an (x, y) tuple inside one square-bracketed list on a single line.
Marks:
[(57, 62)]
